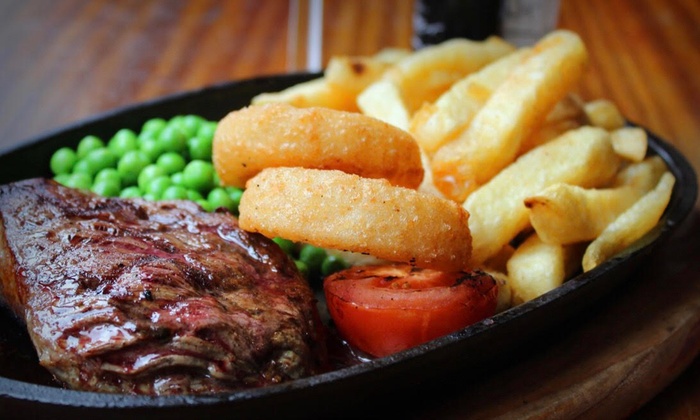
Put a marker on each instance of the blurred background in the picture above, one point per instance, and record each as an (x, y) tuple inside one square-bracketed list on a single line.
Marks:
[(62, 61)]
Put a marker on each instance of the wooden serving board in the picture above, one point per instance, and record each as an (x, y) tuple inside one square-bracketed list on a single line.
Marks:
[(610, 363)]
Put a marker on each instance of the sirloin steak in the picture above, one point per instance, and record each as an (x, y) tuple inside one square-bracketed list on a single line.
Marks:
[(156, 298)]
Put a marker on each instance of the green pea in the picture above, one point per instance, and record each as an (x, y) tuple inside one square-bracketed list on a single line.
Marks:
[(158, 185), (178, 179), (62, 179), (152, 148), (123, 141), (153, 126), (190, 124), (148, 174), (218, 197), (102, 158), (205, 205), (172, 139), (174, 192), (63, 160), (85, 166), (235, 194), (109, 175), (331, 264), (106, 188), (303, 268), (150, 197), (79, 180), (206, 130), (200, 148), (313, 256), (130, 192), (88, 144), (199, 175), (194, 195), (171, 162), (287, 246), (131, 165)]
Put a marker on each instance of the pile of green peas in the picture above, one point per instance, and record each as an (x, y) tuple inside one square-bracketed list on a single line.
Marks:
[(167, 160)]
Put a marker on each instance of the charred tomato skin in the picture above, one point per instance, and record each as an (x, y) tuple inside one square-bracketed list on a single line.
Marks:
[(385, 309)]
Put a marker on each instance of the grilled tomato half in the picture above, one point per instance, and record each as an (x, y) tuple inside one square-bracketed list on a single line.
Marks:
[(385, 309)]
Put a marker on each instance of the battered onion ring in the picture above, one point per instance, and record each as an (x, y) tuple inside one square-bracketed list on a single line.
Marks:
[(333, 209), (277, 134)]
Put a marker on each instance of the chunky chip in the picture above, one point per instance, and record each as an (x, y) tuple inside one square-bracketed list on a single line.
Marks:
[(630, 225), (517, 107), (537, 267), (567, 214), (436, 123), (583, 157)]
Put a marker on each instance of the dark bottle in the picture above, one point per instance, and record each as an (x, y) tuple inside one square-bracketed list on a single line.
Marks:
[(435, 21)]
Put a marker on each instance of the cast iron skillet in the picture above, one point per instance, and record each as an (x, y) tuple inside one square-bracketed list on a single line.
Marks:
[(343, 391)]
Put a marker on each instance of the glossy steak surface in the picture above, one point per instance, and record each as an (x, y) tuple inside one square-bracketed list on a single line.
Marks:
[(151, 297)]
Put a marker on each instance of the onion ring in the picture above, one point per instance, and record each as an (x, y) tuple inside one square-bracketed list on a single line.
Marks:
[(333, 209), (277, 134)]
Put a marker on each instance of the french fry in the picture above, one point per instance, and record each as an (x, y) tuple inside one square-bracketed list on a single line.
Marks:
[(382, 100), (499, 260), (583, 157), (434, 124), (546, 133), (631, 225), (604, 113), (426, 74), (567, 214), (514, 111), (642, 175), (566, 115), (316, 92), (537, 267), (505, 293), (353, 74), (630, 143)]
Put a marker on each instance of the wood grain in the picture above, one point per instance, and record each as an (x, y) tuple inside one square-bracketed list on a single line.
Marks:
[(64, 61)]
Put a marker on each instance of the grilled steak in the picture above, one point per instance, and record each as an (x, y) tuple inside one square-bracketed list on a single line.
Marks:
[(151, 297)]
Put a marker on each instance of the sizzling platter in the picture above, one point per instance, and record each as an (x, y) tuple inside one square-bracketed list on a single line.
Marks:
[(25, 388)]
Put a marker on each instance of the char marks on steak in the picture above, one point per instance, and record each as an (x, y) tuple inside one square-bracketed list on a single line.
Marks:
[(151, 297)]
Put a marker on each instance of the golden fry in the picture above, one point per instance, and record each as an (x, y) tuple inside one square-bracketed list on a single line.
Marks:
[(566, 214), (630, 143), (353, 74), (514, 111), (428, 72), (583, 157), (631, 225), (439, 122), (336, 210), (314, 93), (537, 267), (604, 113), (505, 292), (566, 115), (642, 175), (382, 100)]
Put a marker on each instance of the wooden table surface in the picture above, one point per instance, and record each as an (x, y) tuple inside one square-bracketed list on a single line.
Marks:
[(64, 61)]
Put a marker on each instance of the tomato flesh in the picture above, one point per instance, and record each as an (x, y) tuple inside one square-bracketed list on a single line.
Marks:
[(385, 309)]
